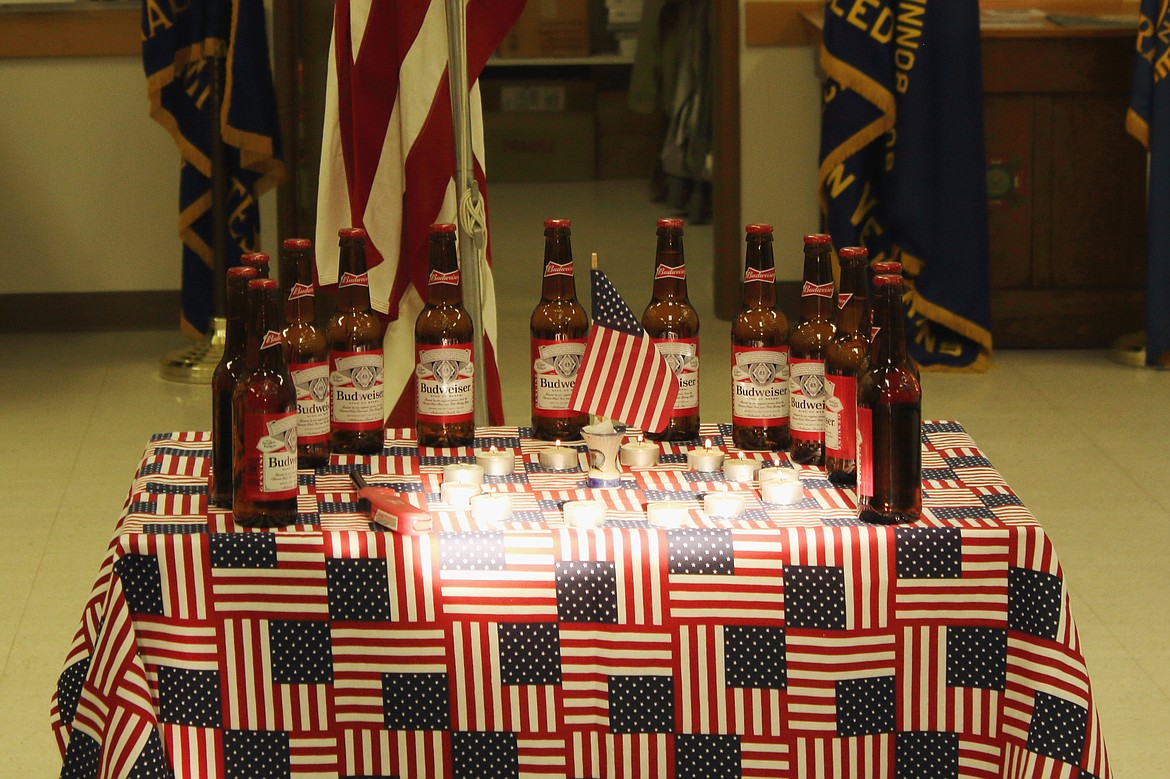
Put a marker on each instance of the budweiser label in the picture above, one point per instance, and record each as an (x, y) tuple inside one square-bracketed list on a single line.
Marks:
[(300, 290), (558, 269), (759, 386), (312, 383), (554, 375), (356, 379), (806, 398), (445, 381), (840, 417), (753, 274), (271, 338), (817, 290), (438, 277), (864, 450), (670, 271), (682, 355), (270, 456), (354, 280), (843, 298)]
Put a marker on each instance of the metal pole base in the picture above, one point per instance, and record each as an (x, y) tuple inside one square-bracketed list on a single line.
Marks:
[(196, 363)]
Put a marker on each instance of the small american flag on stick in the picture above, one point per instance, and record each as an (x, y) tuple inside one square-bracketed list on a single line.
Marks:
[(623, 376)]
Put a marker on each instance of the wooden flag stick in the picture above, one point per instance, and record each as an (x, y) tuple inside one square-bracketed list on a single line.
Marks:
[(593, 260)]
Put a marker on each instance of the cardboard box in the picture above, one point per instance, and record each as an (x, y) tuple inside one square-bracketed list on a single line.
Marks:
[(549, 28), (536, 95), (628, 142), (539, 145)]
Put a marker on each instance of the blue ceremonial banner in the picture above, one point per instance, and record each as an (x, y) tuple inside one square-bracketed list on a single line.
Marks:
[(902, 167), (178, 42), (1149, 121)]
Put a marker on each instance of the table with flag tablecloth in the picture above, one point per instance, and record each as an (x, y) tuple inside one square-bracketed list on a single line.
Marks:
[(791, 642)]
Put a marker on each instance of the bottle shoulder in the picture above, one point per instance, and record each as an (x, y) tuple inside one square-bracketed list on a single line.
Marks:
[(439, 323), (559, 315), (811, 335), (889, 383), (675, 316), (760, 327)]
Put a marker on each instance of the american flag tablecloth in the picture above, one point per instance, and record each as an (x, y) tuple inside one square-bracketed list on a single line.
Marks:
[(793, 642)]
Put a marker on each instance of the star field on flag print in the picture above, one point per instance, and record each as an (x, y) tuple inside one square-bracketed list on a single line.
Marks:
[(706, 756), (142, 583), (586, 591), (359, 590), (530, 653), (814, 596), (1034, 600), (416, 701), (242, 550), (976, 657), (83, 757), (478, 551), (929, 552), (1058, 728), (189, 697), (701, 551), (641, 704), (866, 706), (69, 688), (152, 761), (926, 755), (484, 755), (755, 657), (301, 652), (256, 754)]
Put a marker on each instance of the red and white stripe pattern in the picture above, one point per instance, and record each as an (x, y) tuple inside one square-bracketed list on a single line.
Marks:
[(609, 756), (979, 758), (845, 758), (925, 702), (978, 597), (362, 653), (639, 560), (480, 699), (1019, 763), (867, 562), (196, 749), (817, 660), (388, 162), (184, 570), (754, 595), (527, 583), (378, 752), (410, 561), (295, 588), (591, 654), (707, 704)]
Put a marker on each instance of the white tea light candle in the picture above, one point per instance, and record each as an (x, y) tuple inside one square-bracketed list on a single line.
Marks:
[(778, 474), (723, 504), (740, 468), (706, 460), (639, 454), (584, 513), (667, 513), (559, 458), (458, 495), (491, 508), (463, 473), (495, 462), (782, 492)]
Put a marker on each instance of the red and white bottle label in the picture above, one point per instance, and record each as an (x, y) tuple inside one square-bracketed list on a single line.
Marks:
[(270, 456), (358, 398), (840, 417), (670, 271), (558, 269), (445, 383), (271, 338), (843, 298), (354, 280), (759, 386), (554, 376), (817, 290), (864, 453), (300, 290), (682, 355), (312, 384), (806, 399), (753, 274), (438, 277)]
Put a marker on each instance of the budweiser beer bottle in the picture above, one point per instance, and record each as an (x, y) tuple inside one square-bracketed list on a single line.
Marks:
[(559, 327), (889, 418), (257, 260), (877, 268), (354, 335), (844, 360), (671, 321), (444, 362), (759, 352), (808, 342), (264, 419), (223, 383), (306, 352)]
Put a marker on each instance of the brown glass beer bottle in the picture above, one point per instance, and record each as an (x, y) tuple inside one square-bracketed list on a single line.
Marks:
[(558, 329), (672, 323), (223, 384), (444, 359), (257, 260), (844, 359), (264, 419), (354, 334), (808, 342), (306, 352), (759, 352), (889, 418)]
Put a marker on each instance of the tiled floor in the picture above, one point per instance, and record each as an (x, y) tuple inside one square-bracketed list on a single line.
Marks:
[(1083, 441)]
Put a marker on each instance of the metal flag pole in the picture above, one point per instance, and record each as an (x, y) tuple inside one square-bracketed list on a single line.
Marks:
[(472, 220)]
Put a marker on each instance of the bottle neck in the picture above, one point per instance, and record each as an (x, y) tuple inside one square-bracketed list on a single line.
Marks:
[(817, 299), (889, 345), (237, 315), (265, 348), (445, 283), (558, 283), (759, 277), (296, 273), (853, 301), (670, 267), (353, 296)]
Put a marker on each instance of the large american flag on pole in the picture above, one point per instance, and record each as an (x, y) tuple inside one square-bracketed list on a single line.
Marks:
[(388, 162), (622, 376)]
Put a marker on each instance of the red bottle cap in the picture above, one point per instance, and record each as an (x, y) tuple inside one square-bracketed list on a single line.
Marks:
[(554, 223), (255, 259), (853, 253), (671, 223), (262, 284), (760, 228), (886, 266), (443, 227), (882, 280), (818, 239), (296, 244), (242, 272), (351, 232)]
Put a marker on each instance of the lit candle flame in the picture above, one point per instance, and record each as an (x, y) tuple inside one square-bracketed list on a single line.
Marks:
[(639, 439), (493, 449), (707, 444), (558, 443)]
